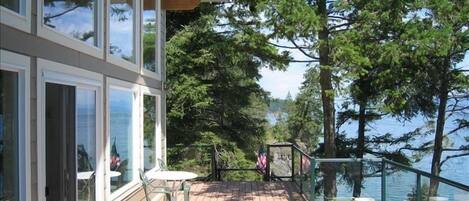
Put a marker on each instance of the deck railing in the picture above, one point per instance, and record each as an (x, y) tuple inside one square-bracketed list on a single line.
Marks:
[(376, 178)]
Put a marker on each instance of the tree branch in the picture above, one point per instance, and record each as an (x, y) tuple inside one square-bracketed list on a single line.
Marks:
[(452, 156)]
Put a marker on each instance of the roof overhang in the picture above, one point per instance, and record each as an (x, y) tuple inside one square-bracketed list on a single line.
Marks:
[(186, 4)]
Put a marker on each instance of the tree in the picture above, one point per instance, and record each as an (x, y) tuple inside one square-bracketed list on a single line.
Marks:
[(212, 76), (439, 37)]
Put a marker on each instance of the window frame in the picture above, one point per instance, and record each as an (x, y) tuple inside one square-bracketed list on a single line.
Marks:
[(21, 20), (158, 44), (61, 38), (20, 64), (128, 188), (53, 72), (134, 67), (147, 91)]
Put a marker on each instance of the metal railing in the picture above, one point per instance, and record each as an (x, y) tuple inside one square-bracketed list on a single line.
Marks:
[(376, 178)]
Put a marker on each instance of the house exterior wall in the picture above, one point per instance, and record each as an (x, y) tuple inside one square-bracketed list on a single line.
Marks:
[(35, 47)]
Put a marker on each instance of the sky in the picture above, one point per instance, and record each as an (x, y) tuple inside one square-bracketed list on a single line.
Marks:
[(279, 83)]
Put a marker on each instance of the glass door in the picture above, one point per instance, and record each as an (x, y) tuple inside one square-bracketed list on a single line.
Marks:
[(70, 142)]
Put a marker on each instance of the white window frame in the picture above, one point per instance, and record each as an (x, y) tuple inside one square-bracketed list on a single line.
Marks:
[(69, 41), (146, 91), (53, 72), (136, 40), (22, 20), (158, 45), (13, 62), (130, 187)]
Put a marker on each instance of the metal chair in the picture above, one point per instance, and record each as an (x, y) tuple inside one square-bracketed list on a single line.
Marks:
[(155, 189), (184, 187)]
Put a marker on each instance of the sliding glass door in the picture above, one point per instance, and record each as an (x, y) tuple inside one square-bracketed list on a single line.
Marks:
[(71, 120)]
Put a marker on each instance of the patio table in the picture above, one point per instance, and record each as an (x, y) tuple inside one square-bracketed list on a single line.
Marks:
[(175, 176)]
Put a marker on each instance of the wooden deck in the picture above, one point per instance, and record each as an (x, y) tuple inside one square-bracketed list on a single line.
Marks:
[(254, 191)]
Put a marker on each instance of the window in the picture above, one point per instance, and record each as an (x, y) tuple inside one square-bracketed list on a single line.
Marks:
[(122, 29), (151, 127), (9, 147), (16, 13), (13, 5), (149, 30), (123, 143), (76, 24), (75, 18), (14, 127)]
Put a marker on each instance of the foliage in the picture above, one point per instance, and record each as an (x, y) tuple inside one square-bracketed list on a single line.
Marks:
[(213, 95)]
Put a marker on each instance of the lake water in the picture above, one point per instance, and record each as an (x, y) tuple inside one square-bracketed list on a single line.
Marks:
[(400, 184)]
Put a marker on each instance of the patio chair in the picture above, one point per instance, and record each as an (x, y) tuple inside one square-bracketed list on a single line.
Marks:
[(184, 187), (155, 189)]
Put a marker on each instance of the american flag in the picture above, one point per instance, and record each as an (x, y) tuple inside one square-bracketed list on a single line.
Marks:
[(261, 163)]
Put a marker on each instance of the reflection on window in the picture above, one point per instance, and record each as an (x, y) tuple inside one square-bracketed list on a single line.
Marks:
[(149, 122), (13, 5), (149, 35), (76, 18), (121, 29), (9, 176), (120, 106), (86, 143)]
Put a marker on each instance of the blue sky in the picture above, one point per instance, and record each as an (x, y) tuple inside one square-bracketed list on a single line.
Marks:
[(279, 83)]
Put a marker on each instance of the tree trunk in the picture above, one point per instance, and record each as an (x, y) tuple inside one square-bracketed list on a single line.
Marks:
[(327, 97), (358, 179), (440, 126)]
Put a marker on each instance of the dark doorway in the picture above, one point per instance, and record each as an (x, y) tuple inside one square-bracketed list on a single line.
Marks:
[(60, 143)]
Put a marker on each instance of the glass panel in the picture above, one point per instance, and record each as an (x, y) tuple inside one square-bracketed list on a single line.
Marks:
[(9, 186), (149, 36), (86, 143), (120, 106), (121, 29), (149, 122), (442, 191), (13, 5), (76, 18)]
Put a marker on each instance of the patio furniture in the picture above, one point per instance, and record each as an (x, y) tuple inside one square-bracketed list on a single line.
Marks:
[(363, 199), (175, 177), (155, 189)]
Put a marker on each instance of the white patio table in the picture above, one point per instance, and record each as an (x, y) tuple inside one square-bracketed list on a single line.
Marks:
[(174, 176)]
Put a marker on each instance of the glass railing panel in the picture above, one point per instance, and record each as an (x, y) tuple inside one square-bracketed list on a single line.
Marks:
[(401, 184), (280, 161), (352, 179), (443, 191)]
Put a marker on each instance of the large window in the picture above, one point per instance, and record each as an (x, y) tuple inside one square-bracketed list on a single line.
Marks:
[(149, 29), (122, 29), (13, 5), (75, 18), (9, 136), (121, 127)]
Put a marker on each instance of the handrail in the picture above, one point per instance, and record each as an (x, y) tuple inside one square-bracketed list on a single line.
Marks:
[(426, 174)]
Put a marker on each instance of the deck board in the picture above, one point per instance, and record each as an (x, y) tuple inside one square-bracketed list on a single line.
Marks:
[(234, 191)]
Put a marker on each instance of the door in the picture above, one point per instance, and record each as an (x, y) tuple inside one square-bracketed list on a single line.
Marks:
[(70, 124), (60, 142)]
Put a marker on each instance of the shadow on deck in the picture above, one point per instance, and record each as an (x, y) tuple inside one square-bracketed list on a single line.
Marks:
[(255, 191)]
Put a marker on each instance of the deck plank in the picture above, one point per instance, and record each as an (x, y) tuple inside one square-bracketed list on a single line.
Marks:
[(234, 191)]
